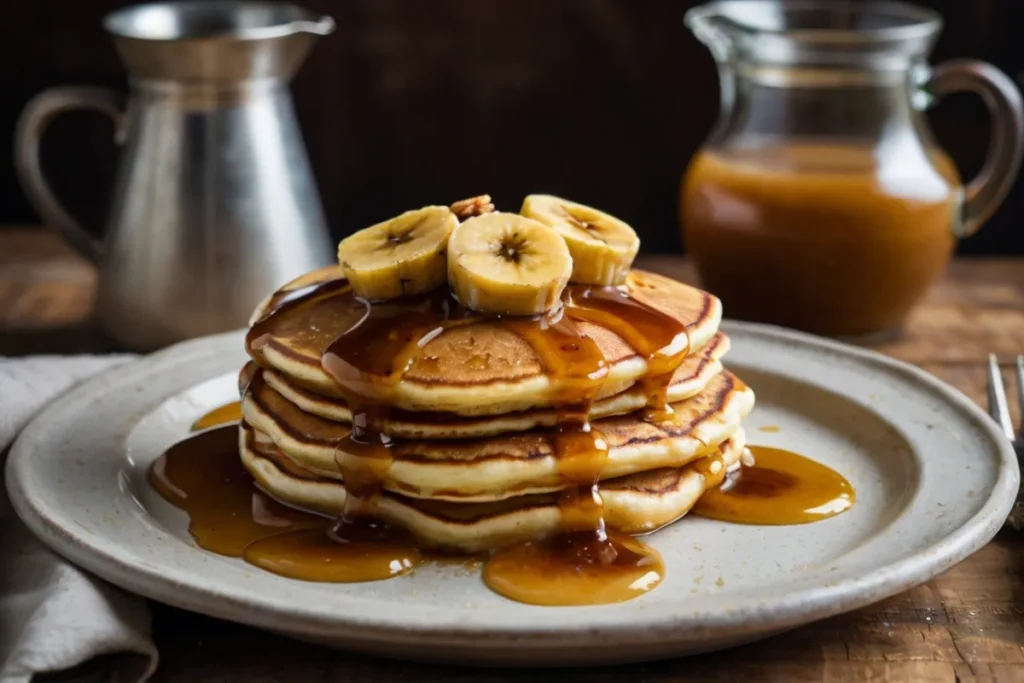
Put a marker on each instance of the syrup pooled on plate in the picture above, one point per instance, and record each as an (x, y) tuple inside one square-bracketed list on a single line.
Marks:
[(348, 552), (780, 488), (228, 514), (204, 476), (576, 569), (229, 412)]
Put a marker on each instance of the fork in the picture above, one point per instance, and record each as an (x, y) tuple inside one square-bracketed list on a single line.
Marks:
[(999, 409)]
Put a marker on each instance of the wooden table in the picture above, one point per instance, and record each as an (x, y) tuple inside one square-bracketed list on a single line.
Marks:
[(966, 625)]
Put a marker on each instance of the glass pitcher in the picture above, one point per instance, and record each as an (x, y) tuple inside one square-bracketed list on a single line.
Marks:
[(820, 200)]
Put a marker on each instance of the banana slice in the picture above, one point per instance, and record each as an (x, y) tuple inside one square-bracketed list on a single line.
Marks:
[(507, 264), (401, 256), (602, 246)]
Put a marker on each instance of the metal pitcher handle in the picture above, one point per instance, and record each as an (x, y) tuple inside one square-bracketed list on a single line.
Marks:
[(32, 124), (986, 192)]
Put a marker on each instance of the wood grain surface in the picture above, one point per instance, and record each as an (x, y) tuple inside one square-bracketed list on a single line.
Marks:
[(967, 625)]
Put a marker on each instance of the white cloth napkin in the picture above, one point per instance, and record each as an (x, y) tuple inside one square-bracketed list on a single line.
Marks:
[(53, 615)]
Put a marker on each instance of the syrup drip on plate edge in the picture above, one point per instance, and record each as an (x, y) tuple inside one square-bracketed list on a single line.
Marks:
[(584, 564)]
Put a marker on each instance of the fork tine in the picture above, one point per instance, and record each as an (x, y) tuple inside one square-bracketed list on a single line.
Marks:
[(997, 406), (1020, 391)]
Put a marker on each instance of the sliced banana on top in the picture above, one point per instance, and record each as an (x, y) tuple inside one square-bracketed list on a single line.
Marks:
[(401, 256), (602, 246), (507, 264)]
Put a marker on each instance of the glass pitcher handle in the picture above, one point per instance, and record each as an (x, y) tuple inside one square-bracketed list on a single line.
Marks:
[(986, 192), (32, 124)]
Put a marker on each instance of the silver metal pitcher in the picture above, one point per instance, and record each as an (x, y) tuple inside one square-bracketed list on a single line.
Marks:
[(214, 205)]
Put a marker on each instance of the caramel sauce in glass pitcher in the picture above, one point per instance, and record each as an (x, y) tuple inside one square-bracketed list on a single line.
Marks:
[(820, 200), (816, 237)]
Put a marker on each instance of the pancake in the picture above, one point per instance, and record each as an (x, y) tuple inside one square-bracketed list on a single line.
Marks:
[(508, 465), (479, 367), (640, 503), (689, 379)]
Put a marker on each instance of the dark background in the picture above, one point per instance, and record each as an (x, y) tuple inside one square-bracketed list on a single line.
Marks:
[(411, 102)]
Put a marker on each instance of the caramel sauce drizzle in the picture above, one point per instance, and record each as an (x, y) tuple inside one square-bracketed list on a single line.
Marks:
[(283, 302), (366, 362), (586, 564), (660, 339), (576, 367)]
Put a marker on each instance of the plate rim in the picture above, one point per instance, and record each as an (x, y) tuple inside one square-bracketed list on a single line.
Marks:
[(791, 609)]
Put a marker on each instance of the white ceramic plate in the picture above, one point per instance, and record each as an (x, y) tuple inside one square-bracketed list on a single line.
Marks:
[(933, 476)]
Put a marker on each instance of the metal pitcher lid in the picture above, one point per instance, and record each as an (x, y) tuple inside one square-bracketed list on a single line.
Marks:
[(214, 42)]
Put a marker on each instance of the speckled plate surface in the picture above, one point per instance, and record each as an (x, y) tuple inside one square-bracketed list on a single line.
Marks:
[(933, 476)]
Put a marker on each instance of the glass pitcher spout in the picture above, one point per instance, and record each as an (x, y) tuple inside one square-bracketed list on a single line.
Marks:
[(215, 41), (875, 34)]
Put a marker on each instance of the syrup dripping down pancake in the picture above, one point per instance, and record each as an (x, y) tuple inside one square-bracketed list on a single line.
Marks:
[(692, 376), (640, 503), (507, 465), (477, 367)]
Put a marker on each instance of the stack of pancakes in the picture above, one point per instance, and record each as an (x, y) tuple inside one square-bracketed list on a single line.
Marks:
[(472, 422)]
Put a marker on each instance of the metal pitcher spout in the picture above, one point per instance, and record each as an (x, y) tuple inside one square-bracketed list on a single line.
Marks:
[(322, 27)]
